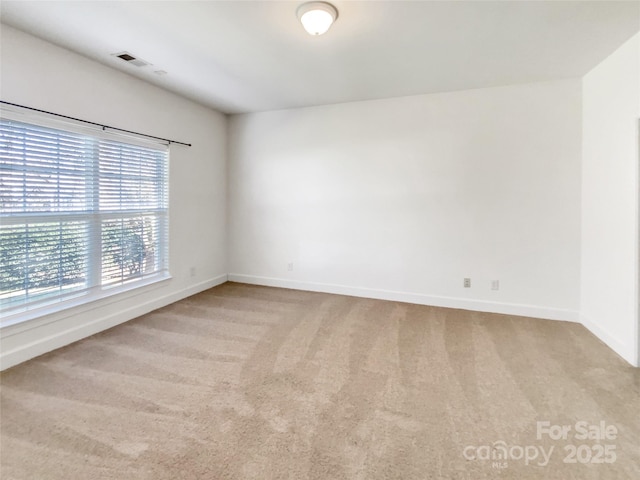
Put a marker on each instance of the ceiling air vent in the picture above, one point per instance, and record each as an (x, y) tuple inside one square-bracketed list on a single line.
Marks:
[(127, 57)]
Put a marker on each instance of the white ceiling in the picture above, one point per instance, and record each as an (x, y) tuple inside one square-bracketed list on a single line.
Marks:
[(242, 56)]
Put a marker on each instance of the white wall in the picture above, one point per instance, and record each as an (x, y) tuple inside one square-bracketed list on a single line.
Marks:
[(39, 74), (402, 198), (611, 110)]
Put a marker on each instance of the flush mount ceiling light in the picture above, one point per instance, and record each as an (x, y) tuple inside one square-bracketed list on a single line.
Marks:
[(317, 17)]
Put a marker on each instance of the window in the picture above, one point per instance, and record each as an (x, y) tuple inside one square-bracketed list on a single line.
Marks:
[(82, 215)]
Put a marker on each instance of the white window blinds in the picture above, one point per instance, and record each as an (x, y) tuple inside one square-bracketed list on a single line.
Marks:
[(80, 214)]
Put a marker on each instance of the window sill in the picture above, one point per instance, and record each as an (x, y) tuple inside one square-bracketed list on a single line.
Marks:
[(24, 319)]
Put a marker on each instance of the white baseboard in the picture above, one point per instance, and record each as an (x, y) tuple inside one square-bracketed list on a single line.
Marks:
[(417, 298), (46, 343), (626, 351)]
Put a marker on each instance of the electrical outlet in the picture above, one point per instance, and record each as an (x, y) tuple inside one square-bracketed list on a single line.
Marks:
[(467, 283), (495, 284), (192, 271), (290, 266)]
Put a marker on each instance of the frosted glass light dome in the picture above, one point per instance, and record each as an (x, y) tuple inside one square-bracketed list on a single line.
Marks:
[(317, 17)]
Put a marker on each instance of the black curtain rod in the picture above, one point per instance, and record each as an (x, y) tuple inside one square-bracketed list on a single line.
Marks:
[(97, 124)]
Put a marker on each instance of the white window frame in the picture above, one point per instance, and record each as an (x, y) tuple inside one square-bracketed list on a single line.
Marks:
[(98, 292)]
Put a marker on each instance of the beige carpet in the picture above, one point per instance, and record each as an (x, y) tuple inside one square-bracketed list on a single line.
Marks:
[(245, 382)]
